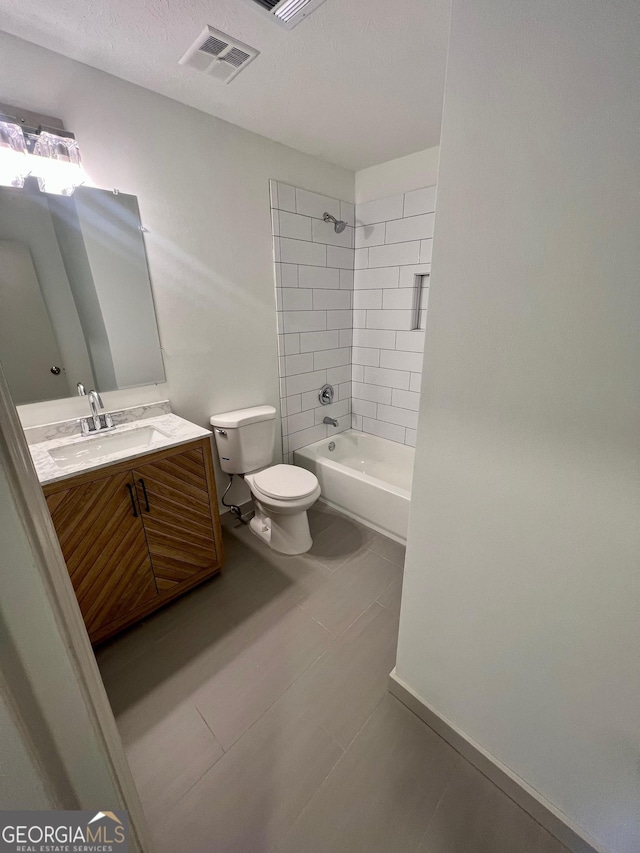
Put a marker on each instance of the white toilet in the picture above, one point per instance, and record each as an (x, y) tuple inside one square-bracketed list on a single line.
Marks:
[(282, 494)]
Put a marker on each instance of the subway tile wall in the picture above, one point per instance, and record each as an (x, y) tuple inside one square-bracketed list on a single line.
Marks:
[(393, 241), (314, 303), (346, 311)]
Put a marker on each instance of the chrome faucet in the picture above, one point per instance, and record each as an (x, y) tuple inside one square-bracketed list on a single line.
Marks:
[(96, 422), (95, 400), (331, 421), (81, 390)]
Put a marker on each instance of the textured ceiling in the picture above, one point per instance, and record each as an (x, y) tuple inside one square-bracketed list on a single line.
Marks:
[(356, 83)]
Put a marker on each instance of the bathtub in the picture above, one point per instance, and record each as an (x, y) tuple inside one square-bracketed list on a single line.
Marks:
[(365, 477)]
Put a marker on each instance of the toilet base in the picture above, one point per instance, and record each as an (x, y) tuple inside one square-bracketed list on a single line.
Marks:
[(287, 534)]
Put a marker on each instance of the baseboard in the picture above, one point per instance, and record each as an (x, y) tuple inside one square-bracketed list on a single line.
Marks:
[(515, 788)]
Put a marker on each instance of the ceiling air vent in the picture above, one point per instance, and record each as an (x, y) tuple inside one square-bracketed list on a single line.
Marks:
[(217, 54), (289, 13)]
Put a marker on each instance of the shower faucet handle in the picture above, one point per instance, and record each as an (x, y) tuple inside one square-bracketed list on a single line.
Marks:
[(326, 395)]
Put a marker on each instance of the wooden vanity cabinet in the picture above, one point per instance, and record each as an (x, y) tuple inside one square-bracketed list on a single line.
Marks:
[(136, 537), (175, 503)]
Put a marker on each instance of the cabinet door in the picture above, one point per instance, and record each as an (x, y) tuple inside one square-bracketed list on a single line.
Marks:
[(103, 542), (176, 509)]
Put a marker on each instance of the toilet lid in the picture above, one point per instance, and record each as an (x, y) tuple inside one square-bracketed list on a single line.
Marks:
[(286, 482)]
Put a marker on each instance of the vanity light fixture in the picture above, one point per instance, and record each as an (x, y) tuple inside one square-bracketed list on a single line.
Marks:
[(13, 154), (55, 161), (49, 154)]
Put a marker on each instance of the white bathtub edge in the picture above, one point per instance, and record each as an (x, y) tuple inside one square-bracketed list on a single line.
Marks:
[(378, 504), (362, 520)]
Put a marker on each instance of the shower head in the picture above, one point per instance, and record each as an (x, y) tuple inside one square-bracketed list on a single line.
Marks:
[(338, 224)]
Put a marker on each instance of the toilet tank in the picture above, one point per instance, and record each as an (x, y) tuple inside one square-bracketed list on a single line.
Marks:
[(244, 438)]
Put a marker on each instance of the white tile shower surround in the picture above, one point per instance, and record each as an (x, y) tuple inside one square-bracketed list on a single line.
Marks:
[(393, 240), (344, 306), (314, 293)]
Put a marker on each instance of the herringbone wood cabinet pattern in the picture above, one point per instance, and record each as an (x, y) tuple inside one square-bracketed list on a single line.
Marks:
[(135, 538), (105, 549), (178, 523)]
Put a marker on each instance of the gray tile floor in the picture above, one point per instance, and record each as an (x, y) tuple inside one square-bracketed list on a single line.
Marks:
[(255, 714)]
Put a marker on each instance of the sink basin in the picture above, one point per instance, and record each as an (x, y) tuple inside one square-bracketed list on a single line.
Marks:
[(99, 446)]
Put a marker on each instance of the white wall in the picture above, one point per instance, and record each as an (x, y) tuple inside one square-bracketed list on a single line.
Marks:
[(203, 190), (21, 782), (520, 618), (398, 176)]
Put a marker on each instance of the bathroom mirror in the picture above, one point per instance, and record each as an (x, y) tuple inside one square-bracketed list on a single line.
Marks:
[(75, 295)]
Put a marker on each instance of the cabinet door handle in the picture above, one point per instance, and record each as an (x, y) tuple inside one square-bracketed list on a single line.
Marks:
[(144, 492), (133, 500)]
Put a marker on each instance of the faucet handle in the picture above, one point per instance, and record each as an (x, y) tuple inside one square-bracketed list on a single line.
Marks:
[(326, 395)]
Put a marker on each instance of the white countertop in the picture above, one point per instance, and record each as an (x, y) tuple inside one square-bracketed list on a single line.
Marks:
[(175, 431)]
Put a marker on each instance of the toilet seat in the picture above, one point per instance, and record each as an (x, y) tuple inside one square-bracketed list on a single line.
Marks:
[(285, 482)]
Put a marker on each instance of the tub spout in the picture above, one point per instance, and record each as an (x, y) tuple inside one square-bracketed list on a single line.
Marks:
[(331, 421)]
